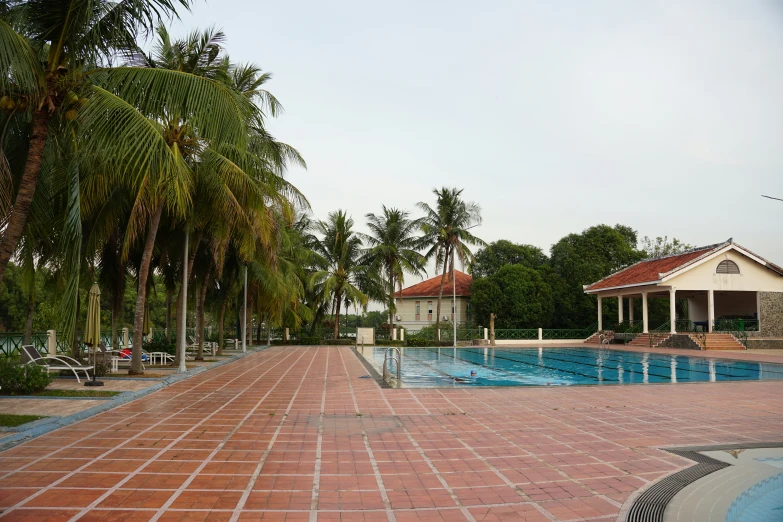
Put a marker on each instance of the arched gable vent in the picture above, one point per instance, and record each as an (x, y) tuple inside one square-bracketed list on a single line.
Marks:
[(727, 267)]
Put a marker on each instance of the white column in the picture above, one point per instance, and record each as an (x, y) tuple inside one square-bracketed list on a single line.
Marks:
[(540, 334), (402, 334), (630, 310), (394, 334), (619, 309), (710, 309), (672, 310), (51, 342), (125, 340), (486, 334), (644, 313), (600, 314)]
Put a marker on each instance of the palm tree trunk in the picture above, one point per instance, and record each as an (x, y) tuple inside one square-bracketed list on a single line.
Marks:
[(391, 302), (24, 197), (440, 293), (249, 319), (202, 295), (169, 298), (28, 324), (221, 319), (337, 317), (141, 297)]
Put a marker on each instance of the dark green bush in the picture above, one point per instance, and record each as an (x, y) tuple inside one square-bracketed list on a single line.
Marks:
[(389, 343), (417, 342), (160, 345), (338, 342), (18, 379)]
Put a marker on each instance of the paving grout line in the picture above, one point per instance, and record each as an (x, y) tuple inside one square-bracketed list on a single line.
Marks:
[(376, 470), (257, 472), (228, 436), (124, 420), (51, 486), (319, 445), (429, 462), (564, 475)]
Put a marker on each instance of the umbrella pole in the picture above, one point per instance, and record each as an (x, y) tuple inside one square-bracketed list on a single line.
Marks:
[(93, 382)]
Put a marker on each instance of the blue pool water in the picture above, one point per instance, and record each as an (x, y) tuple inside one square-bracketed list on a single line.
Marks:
[(435, 367)]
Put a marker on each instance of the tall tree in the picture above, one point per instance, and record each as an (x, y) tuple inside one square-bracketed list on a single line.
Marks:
[(447, 233), (48, 46), (339, 251), (392, 246)]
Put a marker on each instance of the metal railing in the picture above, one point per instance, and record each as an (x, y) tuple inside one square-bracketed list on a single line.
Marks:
[(11, 342), (387, 361), (516, 334)]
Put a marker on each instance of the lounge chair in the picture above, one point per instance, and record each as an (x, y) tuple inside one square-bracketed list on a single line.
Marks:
[(60, 362)]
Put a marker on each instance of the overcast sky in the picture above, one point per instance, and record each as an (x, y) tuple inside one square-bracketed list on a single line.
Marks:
[(553, 116)]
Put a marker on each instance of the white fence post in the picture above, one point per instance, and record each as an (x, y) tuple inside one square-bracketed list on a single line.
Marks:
[(394, 334), (486, 334), (125, 342), (540, 334), (51, 342), (402, 334)]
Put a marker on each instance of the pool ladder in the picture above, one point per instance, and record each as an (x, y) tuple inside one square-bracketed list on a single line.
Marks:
[(388, 360)]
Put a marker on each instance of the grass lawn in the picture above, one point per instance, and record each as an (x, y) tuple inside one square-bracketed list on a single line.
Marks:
[(12, 421)]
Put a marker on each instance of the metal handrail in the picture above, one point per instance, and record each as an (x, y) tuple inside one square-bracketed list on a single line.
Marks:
[(398, 360)]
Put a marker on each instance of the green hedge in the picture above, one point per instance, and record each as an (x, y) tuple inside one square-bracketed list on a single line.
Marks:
[(18, 379), (389, 343)]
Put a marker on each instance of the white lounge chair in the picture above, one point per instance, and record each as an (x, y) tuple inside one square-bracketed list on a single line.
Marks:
[(60, 362)]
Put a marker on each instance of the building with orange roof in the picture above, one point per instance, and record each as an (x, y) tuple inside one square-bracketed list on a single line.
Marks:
[(721, 282), (417, 304)]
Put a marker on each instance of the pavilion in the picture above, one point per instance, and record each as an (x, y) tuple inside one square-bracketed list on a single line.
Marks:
[(723, 280)]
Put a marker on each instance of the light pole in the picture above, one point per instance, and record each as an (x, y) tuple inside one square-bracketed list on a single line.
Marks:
[(244, 317), (183, 320), (770, 197)]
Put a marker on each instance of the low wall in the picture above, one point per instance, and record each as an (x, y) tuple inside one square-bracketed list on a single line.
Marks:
[(764, 344), (536, 342)]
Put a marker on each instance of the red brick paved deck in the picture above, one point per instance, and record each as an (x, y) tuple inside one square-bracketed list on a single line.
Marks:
[(295, 434)]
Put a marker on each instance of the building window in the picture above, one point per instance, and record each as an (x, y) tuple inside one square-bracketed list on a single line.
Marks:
[(429, 310), (418, 310), (727, 267)]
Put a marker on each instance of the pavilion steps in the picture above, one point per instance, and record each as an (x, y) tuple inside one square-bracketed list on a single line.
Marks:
[(643, 340), (595, 338), (717, 341)]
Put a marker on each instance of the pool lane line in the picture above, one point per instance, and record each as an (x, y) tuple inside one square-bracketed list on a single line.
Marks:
[(525, 363), (683, 359), (574, 352), (571, 361)]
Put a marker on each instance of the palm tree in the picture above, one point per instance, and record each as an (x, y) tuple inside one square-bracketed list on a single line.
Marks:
[(446, 232), (49, 47), (391, 251), (339, 251)]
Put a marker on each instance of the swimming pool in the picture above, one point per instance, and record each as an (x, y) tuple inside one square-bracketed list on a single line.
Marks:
[(436, 367)]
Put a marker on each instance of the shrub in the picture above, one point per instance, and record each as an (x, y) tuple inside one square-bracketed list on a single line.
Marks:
[(389, 343), (18, 379), (160, 345), (416, 342)]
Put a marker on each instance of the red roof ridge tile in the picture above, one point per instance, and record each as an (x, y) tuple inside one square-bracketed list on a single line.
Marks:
[(431, 287)]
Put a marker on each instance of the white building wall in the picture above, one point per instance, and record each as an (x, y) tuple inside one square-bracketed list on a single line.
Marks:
[(752, 277), (406, 309)]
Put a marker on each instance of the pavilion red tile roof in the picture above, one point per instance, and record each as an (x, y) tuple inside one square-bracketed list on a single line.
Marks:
[(431, 287), (649, 270)]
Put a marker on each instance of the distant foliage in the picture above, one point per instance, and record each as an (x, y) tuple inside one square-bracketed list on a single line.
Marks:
[(518, 295), (661, 246), (501, 253)]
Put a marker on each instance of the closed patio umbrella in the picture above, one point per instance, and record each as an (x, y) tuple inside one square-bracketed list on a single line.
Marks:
[(92, 331), (147, 327)]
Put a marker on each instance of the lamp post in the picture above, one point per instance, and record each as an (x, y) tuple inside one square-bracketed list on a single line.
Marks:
[(244, 317), (182, 320)]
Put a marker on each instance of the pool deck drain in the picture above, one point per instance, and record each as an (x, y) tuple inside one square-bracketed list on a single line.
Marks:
[(295, 433)]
